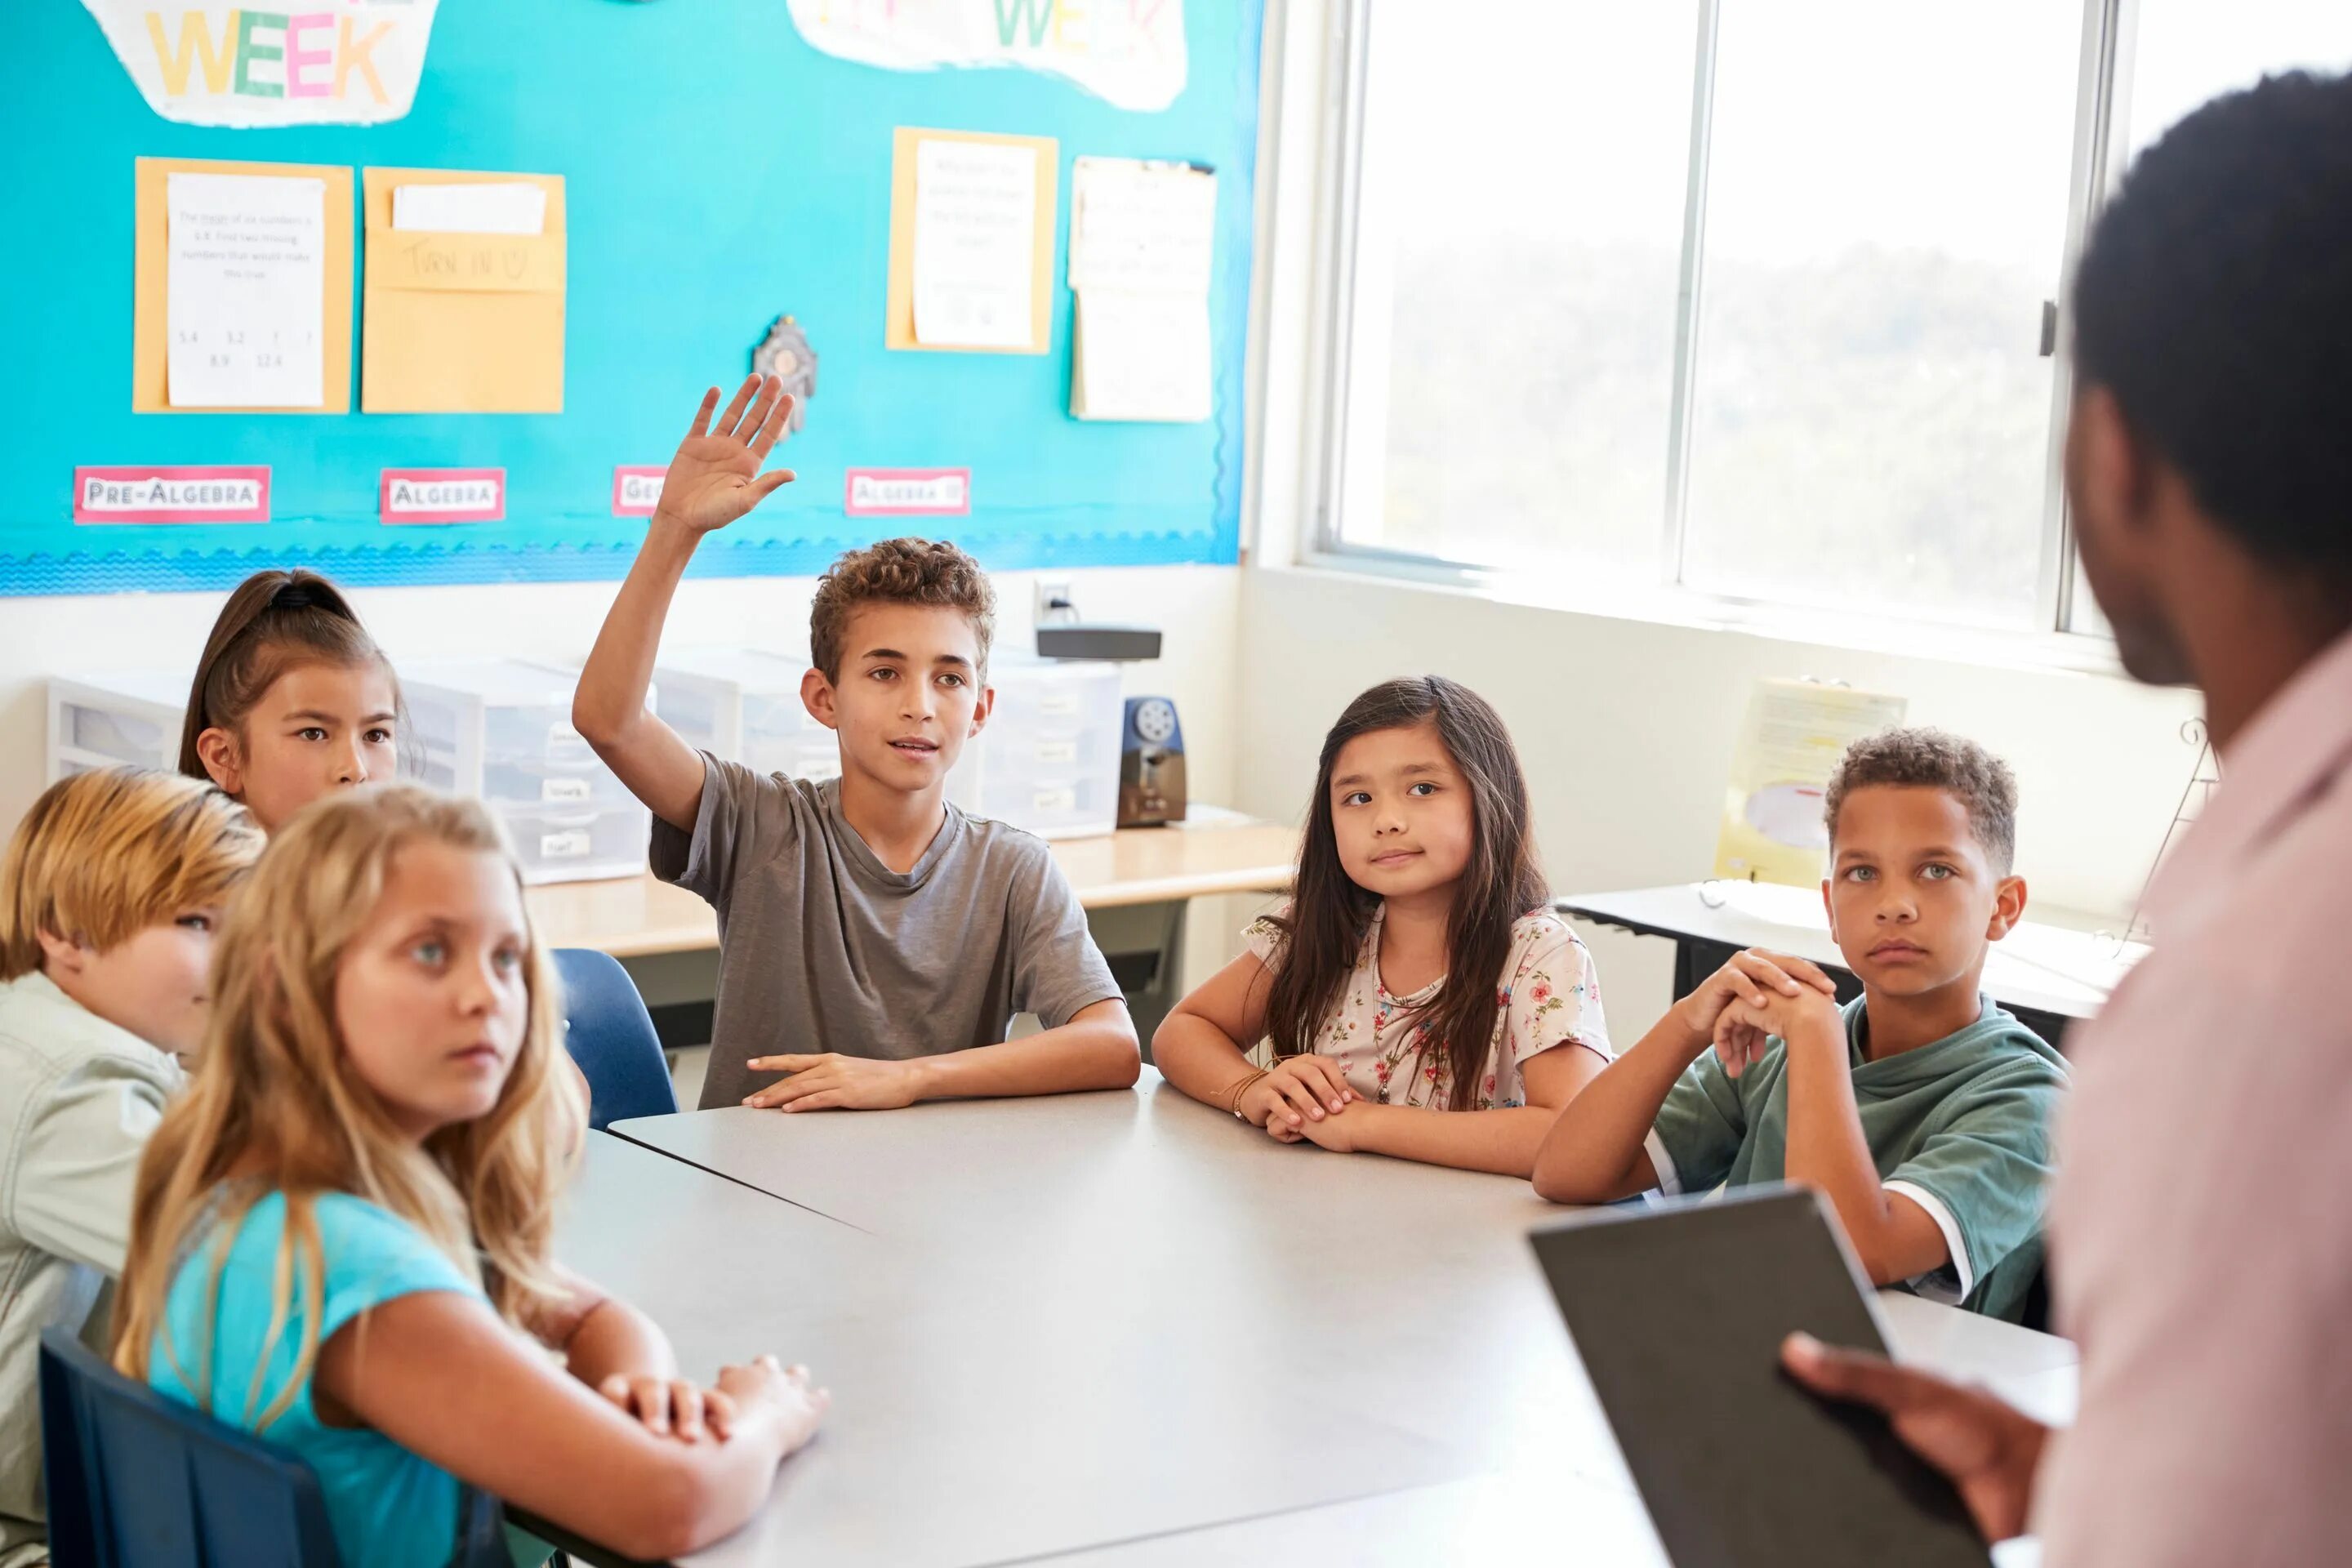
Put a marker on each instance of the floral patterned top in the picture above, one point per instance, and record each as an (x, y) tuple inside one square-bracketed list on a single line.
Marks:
[(1548, 995)]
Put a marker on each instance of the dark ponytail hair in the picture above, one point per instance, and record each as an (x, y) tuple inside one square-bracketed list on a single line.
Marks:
[(1330, 915), (276, 621)]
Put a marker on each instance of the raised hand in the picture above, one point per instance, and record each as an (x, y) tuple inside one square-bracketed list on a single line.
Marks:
[(715, 476)]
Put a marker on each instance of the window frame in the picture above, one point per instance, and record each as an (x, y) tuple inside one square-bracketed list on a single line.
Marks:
[(1343, 475)]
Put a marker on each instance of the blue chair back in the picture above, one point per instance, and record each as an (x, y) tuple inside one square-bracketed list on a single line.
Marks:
[(137, 1480), (611, 1036)]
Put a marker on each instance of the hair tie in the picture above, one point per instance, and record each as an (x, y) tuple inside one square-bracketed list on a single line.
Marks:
[(293, 597)]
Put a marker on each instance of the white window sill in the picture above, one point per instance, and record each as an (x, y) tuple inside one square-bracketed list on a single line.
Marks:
[(2027, 650)]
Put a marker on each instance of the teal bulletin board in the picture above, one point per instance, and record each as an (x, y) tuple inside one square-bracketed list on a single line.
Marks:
[(719, 172)]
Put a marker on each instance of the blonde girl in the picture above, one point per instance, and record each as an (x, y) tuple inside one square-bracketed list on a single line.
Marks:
[(340, 1228)]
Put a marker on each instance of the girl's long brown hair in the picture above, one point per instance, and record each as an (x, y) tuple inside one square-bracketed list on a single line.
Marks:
[(1330, 915), (274, 1099), (273, 622)]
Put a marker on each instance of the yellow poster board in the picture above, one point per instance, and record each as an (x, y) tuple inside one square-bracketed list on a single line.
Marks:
[(900, 325), (461, 322), (1794, 734), (151, 271)]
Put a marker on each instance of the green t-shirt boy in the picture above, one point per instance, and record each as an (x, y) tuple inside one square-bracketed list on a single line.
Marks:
[(1922, 1113), (1961, 1127)]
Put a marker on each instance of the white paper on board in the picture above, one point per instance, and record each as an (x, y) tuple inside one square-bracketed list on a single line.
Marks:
[(1141, 357), (515, 207), (246, 291), (1145, 227), (975, 244)]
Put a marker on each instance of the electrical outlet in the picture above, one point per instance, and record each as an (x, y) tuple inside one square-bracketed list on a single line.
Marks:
[(1054, 602)]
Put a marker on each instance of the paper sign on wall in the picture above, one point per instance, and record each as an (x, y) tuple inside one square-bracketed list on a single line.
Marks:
[(1789, 745), (637, 489), (241, 287), (171, 493), (972, 242), (1130, 52), (975, 244), (443, 494), (245, 287), (909, 492), (1143, 248), (316, 62)]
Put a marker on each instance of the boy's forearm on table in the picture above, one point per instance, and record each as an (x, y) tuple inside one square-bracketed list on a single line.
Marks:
[(1086, 1053), (1503, 1140), (1594, 1151)]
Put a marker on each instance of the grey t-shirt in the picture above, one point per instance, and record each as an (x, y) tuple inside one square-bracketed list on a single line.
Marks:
[(824, 948)]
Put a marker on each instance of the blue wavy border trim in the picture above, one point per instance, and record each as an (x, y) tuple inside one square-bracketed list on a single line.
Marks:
[(79, 573)]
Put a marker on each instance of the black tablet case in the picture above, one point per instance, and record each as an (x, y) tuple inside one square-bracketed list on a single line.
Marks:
[(1678, 1313)]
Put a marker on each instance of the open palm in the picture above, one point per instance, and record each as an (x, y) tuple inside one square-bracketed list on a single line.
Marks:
[(715, 478)]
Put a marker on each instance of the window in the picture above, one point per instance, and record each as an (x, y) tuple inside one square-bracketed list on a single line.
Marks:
[(1870, 404), (1742, 302), (1518, 254)]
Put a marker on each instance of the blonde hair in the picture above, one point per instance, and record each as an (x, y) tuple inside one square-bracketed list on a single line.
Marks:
[(106, 854), (275, 1100)]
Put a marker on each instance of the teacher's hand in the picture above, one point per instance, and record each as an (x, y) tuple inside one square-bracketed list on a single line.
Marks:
[(1989, 1449)]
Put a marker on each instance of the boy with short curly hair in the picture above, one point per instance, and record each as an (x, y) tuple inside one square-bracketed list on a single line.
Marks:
[(875, 941), (1922, 1110)]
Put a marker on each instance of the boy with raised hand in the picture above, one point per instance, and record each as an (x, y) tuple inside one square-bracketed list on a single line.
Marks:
[(109, 895), (1922, 1111), (875, 941)]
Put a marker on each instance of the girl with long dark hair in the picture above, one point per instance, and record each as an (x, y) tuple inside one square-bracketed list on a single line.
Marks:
[(1418, 970)]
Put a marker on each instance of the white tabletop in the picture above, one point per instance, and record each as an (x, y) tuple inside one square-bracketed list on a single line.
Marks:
[(2049, 968), (1080, 1322)]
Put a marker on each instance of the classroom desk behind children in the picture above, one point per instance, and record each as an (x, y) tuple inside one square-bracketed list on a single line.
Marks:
[(1079, 1322), (2049, 975), (1134, 885)]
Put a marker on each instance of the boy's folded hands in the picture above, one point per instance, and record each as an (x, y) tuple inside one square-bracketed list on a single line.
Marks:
[(1748, 1000)]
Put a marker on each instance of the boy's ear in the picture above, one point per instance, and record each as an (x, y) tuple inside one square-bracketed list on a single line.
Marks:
[(2008, 908), (1829, 906), (62, 954), (982, 709), (216, 748), (817, 697)]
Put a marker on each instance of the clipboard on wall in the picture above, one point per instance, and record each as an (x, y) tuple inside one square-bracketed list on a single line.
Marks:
[(151, 285)]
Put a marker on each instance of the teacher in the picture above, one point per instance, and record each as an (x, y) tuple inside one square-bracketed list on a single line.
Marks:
[(2200, 1229)]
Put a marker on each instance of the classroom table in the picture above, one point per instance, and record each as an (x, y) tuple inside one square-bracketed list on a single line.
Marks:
[(2050, 976), (1128, 1324)]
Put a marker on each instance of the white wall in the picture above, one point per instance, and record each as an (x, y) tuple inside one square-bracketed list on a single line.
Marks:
[(1626, 728)]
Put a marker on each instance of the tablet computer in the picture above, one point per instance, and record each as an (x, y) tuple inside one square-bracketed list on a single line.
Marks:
[(1678, 1312)]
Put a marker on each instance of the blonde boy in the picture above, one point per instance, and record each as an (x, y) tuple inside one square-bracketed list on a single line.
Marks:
[(109, 897)]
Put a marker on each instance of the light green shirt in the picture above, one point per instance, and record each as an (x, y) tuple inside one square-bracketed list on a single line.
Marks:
[(1961, 1127)]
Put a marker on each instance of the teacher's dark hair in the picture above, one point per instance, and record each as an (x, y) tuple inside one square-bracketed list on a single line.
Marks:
[(2214, 303)]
